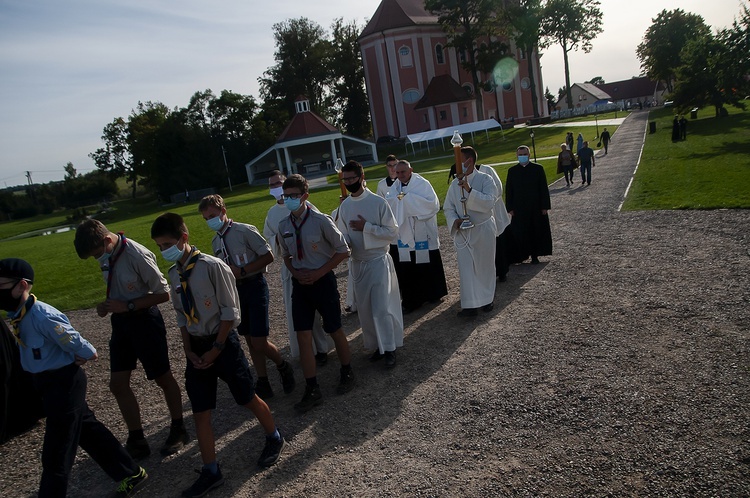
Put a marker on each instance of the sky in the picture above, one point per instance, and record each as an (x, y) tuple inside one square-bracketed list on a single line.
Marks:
[(69, 67)]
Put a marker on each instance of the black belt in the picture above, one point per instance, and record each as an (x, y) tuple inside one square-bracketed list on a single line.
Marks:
[(251, 278)]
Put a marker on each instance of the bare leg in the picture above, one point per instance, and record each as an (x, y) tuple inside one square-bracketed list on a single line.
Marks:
[(342, 347), (262, 413), (172, 394), (119, 385), (205, 435), (306, 356)]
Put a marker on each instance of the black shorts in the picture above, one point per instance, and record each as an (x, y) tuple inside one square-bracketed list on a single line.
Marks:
[(253, 292), (139, 335), (231, 366), (323, 297)]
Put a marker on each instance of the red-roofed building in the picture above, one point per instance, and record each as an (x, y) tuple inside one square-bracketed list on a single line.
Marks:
[(416, 84), (310, 146)]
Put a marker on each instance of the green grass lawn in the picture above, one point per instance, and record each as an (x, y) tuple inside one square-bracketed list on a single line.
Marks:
[(67, 282), (709, 170)]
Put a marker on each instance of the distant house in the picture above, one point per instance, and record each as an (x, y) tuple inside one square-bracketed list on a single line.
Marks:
[(625, 93), (415, 83), (310, 146)]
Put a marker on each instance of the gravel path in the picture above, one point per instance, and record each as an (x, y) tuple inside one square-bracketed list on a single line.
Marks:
[(619, 366)]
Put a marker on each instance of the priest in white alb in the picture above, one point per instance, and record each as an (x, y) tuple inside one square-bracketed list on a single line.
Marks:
[(368, 226), (475, 246)]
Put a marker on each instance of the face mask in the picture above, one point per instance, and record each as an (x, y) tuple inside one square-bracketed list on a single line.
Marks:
[(464, 167), (173, 254), (215, 223), (277, 192), (292, 204), (7, 301), (354, 187), (104, 257), (523, 159)]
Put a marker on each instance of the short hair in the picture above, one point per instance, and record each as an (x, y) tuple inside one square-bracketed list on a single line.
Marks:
[(390, 158), (522, 147), (89, 236), (564, 146), (213, 200), (296, 181), (469, 151), (405, 162), (353, 167), (170, 225)]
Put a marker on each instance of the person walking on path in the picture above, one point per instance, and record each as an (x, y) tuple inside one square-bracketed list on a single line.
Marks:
[(566, 163), (606, 139), (528, 202), (248, 255), (587, 161)]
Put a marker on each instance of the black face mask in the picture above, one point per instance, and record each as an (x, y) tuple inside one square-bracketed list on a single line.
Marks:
[(353, 187), (7, 301)]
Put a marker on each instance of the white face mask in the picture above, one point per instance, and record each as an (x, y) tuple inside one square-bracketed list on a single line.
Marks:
[(277, 192)]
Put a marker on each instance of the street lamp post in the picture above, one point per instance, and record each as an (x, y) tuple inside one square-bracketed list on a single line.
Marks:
[(533, 144)]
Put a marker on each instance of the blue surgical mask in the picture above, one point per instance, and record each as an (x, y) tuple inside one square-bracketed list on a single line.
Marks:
[(215, 223), (292, 204), (173, 253), (523, 159)]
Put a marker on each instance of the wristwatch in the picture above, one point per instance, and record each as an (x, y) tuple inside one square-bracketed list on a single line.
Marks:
[(131, 306), (218, 345)]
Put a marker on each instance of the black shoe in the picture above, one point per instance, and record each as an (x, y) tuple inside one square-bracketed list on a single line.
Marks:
[(130, 485), (263, 388), (347, 381), (138, 449), (502, 278), (287, 377), (310, 399), (376, 356), (467, 313), (271, 452), (488, 307), (534, 260), (321, 359), (589, 183), (390, 359), (205, 483), (177, 439), (408, 308)]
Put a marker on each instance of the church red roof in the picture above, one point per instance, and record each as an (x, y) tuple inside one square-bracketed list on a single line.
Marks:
[(398, 14), (443, 89)]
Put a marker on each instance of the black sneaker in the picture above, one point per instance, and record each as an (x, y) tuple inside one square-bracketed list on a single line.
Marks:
[(347, 381), (205, 483), (177, 439), (138, 449), (321, 359), (287, 377), (310, 399), (130, 485), (271, 452), (263, 389), (390, 359)]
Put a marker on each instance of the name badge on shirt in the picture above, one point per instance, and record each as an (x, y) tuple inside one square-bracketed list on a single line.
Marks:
[(286, 235), (242, 259), (37, 353)]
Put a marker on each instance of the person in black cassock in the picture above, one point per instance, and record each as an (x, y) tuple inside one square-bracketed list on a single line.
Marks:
[(527, 201)]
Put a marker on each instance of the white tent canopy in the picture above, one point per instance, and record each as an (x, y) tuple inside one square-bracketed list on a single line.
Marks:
[(442, 133)]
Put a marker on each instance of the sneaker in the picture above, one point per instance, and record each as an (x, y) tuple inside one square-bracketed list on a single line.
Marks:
[(205, 483), (271, 452), (390, 359), (287, 377), (310, 399), (347, 381), (263, 388), (321, 359), (138, 449), (130, 485), (177, 439)]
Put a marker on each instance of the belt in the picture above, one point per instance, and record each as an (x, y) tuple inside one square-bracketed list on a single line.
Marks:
[(251, 278)]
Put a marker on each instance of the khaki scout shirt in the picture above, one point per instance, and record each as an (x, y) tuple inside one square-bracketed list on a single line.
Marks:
[(214, 292), (134, 273), (241, 244), (320, 240)]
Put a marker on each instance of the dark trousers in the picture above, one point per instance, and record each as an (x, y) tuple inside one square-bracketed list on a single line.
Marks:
[(71, 423)]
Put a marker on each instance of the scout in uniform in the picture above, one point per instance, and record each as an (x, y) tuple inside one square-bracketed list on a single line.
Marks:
[(204, 296), (53, 352), (135, 286)]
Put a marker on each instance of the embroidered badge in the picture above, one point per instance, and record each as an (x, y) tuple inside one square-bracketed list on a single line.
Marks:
[(131, 286), (207, 303), (314, 247), (37, 353), (59, 329)]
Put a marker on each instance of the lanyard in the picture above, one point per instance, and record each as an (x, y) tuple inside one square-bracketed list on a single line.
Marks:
[(113, 260)]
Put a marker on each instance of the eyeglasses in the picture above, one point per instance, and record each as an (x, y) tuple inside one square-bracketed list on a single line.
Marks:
[(350, 179), (292, 196)]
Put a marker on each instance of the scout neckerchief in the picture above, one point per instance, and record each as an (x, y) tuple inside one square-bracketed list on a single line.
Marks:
[(297, 233), (113, 260), (188, 303), (221, 235), (16, 322)]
